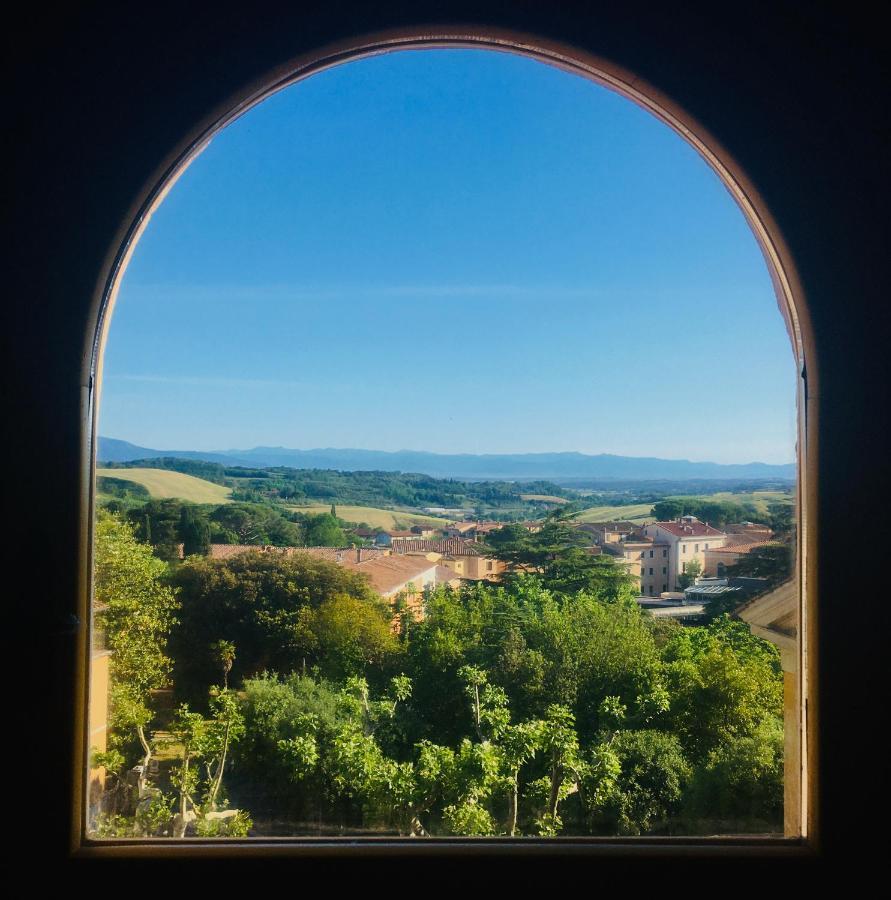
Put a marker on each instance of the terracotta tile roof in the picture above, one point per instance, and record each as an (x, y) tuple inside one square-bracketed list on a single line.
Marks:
[(743, 548), (689, 529), (488, 527), (626, 527), (224, 551), (332, 554), (738, 538), (388, 574), (446, 546)]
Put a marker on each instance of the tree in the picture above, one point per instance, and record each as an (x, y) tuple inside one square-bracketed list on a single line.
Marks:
[(692, 571), (772, 562), (137, 611), (323, 530), (158, 523), (269, 606), (557, 552), (781, 517), (649, 784), (194, 532), (724, 683), (350, 635), (225, 653)]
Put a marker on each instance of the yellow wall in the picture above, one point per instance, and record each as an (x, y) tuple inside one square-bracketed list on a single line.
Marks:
[(98, 717)]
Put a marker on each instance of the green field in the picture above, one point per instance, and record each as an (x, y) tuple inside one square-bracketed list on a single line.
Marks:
[(638, 512), (759, 498), (163, 484), (385, 519)]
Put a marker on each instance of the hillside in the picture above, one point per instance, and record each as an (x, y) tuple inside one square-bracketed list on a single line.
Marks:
[(163, 483), (472, 467), (385, 519)]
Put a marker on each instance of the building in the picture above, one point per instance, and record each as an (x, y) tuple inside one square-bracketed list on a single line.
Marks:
[(686, 539), (388, 574), (609, 532), (461, 529), (774, 616), (646, 560), (331, 554), (463, 557), (718, 559)]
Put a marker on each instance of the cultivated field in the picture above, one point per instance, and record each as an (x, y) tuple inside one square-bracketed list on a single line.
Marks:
[(759, 498), (637, 512), (640, 513), (544, 498), (163, 484), (385, 519)]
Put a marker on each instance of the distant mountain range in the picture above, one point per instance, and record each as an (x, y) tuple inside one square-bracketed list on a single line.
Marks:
[(467, 466)]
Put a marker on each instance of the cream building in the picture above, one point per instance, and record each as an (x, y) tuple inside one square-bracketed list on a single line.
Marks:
[(644, 560), (686, 539), (462, 557)]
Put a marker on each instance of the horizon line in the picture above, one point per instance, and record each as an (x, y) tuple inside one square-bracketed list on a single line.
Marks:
[(233, 451)]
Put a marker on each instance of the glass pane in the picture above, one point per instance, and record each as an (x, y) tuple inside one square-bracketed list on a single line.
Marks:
[(445, 251)]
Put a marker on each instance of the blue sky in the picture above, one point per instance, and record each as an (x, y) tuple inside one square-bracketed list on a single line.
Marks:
[(456, 251)]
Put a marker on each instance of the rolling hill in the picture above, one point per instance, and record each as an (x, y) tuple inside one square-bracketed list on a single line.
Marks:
[(385, 519), (163, 483), (472, 467)]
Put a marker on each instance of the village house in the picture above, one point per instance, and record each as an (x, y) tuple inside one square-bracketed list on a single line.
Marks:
[(644, 559), (390, 575), (332, 554), (609, 532), (461, 530), (747, 531), (684, 540), (718, 559), (463, 557)]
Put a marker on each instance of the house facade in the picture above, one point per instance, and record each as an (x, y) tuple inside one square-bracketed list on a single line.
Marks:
[(686, 539)]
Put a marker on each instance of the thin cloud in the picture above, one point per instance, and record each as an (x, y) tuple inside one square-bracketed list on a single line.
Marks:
[(242, 293), (204, 381)]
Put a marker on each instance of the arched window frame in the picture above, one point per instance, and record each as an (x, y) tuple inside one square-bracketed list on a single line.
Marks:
[(787, 287)]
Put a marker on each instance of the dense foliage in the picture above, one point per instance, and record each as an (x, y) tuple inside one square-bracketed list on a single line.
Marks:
[(716, 512), (546, 704), (282, 613)]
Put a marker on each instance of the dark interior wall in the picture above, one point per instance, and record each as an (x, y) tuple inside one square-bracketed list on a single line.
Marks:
[(102, 100)]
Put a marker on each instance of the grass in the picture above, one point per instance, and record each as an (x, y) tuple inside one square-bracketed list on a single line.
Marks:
[(637, 512), (759, 498), (640, 512), (163, 484), (385, 519)]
